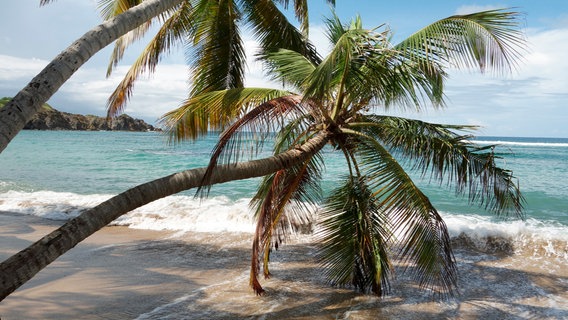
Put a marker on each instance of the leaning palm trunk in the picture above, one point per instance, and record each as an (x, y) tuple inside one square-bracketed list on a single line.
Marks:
[(21, 267), (15, 114)]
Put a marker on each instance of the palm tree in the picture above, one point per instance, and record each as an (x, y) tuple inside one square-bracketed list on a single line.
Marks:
[(210, 31), (210, 27), (317, 120), (377, 211)]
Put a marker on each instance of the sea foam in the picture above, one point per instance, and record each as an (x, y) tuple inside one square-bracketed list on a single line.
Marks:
[(181, 213), (521, 144)]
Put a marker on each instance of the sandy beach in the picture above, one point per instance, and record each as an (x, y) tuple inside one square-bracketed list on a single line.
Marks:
[(122, 273)]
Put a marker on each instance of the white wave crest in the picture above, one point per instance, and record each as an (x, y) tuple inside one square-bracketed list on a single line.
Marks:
[(221, 214), (517, 143), (176, 213), (538, 237)]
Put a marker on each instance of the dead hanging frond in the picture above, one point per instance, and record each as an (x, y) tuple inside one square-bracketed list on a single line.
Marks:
[(284, 202)]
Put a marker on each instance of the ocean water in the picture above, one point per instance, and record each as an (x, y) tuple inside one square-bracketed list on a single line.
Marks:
[(57, 174)]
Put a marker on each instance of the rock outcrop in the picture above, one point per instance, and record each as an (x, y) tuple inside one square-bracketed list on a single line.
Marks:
[(51, 119)]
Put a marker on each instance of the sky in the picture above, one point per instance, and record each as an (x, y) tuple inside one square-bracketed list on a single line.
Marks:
[(532, 101)]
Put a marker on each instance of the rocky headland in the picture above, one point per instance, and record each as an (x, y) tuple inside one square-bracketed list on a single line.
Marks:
[(51, 119)]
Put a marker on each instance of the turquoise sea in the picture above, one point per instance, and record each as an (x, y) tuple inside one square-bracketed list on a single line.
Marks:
[(510, 268), (57, 166)]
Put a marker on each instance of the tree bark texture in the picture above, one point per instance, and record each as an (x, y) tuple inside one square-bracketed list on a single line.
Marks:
[(21, 267), (16, 113)]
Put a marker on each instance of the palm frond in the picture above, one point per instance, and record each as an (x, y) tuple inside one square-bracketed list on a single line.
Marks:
[(373, 72), (328, 74), (284, 203), (273, 30), (301, 13), (110, 9), (214, 111), (249, 132), (421, 232), (288, 66), (355, 236), (488, 40), (438, 149), (364, 70), (217, 55), (334, 28), (403, 83), (170, 34)]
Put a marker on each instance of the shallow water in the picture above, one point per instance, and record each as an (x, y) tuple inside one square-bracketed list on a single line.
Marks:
[(494, 284)]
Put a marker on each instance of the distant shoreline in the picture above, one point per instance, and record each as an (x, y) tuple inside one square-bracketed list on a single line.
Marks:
[(49, 118)]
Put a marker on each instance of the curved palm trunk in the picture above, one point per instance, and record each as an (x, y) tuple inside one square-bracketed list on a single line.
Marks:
[(21, 267), (15, 114)]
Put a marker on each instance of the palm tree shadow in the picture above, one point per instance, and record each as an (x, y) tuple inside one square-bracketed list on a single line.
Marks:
[(206, 276), (490, 287)]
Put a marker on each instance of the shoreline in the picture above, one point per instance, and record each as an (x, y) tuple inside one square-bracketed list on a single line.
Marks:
[(123, 273)]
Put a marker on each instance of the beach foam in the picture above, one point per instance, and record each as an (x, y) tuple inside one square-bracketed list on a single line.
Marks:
[(181, 213), (521, 144)]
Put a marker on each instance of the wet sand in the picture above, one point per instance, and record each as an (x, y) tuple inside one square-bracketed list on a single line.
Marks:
[(122, 273)]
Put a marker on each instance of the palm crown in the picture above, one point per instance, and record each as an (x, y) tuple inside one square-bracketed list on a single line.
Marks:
[(378, 211), (211, 33)]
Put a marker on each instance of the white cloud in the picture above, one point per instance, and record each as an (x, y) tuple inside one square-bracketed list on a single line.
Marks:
[(88, 89), (531, 101), (547, 61), (14, 68), (152, 96)]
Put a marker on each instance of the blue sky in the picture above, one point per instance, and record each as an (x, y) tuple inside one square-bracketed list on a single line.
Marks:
[(533, 101)]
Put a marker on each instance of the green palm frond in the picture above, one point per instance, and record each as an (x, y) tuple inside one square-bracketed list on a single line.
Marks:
[(421, 232), (301, 12), (355, 236), (273, 30), (110, 9), (374, 73), (171, 33), (485, 40), (384, 78), (302, 15), (364, 70), (214, 110), (288, 66), (283, 204), (327, 76), (217, 55), (438, 149), (334, 28)]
